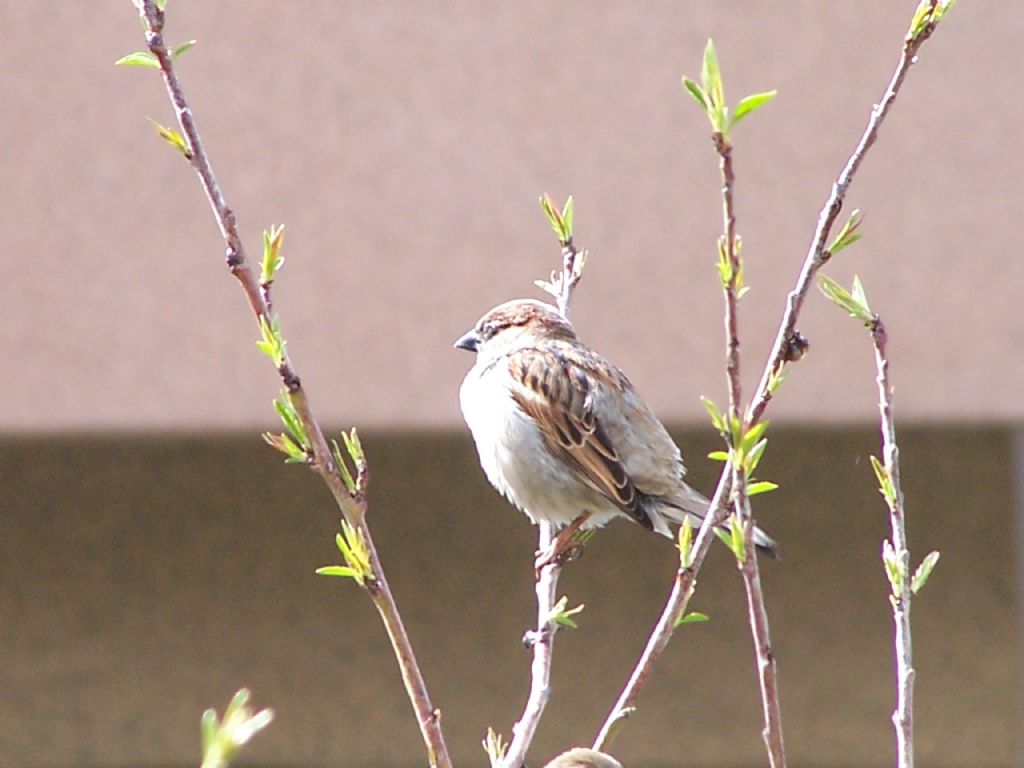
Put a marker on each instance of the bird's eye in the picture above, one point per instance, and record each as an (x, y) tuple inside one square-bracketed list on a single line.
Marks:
[(487, 330)]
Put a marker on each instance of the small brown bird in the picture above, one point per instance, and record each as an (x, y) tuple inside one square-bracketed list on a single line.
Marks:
[(562, 433)]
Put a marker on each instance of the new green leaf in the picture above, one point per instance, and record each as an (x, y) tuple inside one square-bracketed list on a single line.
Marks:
[(924, 570), (272, 258), (734, 537), (761, 486), (337, 570), (697, 93), (893, 568), (352, 545), (342, 465), (172, 137), (182, 48), (143, 59), (560, 220), (858, 295), (855, 305), (717, 419), (926, 15), (272, 343), (885, 485), (286, 444), (749, 104), (685, 543), (755, 454), (222, 741), (562, 616), (848, 235), (694, 617), (711, 77), (567, 210)]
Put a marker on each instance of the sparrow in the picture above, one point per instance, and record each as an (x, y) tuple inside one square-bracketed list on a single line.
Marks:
[(563, 434)]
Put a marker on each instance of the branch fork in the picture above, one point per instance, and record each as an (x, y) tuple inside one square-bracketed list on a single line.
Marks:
[(789, 346)]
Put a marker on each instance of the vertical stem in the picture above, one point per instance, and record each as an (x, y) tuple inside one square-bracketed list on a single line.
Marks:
[(728, 247), (570, 276), (542, 642), (903, 716), (766, 670)]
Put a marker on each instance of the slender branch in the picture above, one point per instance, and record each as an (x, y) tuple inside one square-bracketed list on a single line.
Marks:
[(748, 566), (767, 673), (817, 253), (789, 345), (571, 273), (731, 282), (903, 716), (353, 506), (541, 641), (675, 608)]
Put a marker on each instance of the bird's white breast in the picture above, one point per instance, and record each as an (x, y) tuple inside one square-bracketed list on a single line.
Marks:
[(515, 458)]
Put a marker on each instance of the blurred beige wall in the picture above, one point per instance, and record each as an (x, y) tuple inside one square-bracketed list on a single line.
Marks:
[(404, 145)]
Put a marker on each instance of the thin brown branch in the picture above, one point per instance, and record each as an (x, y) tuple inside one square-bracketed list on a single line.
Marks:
[(352, 506), (729, 249), (903, 716), (767, 674), (817, 253), (766, 668), (789, 346), (675, 608)]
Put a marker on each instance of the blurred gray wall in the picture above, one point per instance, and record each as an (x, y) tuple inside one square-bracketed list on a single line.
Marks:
[(154, 556), (144, 580)]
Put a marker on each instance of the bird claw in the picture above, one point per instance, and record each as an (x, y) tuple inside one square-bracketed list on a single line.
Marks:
[(566, 546), (559, 554)]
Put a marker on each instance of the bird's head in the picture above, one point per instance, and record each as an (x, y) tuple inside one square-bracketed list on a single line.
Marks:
[(509, 325)]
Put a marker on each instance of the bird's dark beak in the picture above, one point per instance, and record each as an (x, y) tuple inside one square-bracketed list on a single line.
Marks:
[(469, 342)]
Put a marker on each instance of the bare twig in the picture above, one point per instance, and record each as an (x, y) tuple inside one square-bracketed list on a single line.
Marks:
[(570, 276), (895, 554), (542, 639), (675, 607), (788, 346), (729, 251), (541, 642), (903, 717), (353, 506), (748, 566), (766, 671)]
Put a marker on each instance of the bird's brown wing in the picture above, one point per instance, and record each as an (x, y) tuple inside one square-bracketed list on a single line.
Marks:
[(555, 387)]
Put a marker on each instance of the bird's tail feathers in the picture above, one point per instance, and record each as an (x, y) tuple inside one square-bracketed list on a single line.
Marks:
[(689, 503)]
